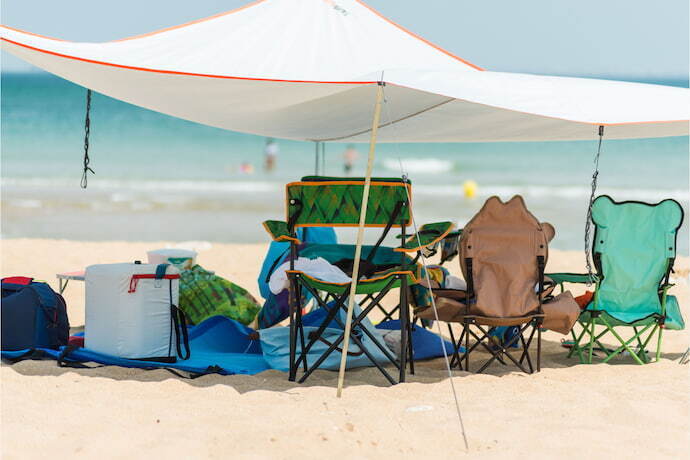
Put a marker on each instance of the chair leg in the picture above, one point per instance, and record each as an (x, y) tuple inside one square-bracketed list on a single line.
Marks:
[(404, 325), (456, 346), (293, 345), (410, 347), (505, 350), (525, 352), (658, 343), (576, 343), (466, 327), (538, 326), (624, 343), (591, 340)]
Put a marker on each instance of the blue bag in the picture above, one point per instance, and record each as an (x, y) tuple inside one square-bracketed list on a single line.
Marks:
[(32, 315)]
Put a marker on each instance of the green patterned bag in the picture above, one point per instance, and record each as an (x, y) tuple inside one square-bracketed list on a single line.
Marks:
[(204, 294)]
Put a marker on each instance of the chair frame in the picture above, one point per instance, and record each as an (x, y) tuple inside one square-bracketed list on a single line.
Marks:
[(596, 317), (498, 352), (297, 283)]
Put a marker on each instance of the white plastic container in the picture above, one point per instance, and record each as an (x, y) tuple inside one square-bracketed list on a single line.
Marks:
[(128, 311), (183, 259)]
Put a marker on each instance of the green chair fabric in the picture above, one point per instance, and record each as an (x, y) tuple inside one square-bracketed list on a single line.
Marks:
[(314, 202), (279, 231), (634, 244), (428, 235)]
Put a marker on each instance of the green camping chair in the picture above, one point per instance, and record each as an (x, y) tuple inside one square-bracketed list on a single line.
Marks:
[(633, 252), (336, 202)]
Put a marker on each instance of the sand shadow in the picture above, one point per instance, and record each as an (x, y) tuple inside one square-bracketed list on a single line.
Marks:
[(554, 356)]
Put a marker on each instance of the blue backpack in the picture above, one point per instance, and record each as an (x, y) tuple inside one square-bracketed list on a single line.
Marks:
[(32, 315)]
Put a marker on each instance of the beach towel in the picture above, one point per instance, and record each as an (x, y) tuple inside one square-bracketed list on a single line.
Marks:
[(204, 294), (275, 308), (318, 268)]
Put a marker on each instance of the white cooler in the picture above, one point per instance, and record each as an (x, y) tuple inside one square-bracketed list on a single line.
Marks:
[(129, 313)]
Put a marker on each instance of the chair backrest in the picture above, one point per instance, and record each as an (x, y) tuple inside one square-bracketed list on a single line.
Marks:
[(336, 202), (499, 250), (634, 247)]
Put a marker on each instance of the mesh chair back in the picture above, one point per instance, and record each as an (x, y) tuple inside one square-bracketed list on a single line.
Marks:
[(336, 202)]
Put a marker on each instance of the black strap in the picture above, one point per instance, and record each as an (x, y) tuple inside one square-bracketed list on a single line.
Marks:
[(179, 324), (62, 362), (275, 264), (394, 215), (541, 266), (293, 218), (180, 321), (470, 284)]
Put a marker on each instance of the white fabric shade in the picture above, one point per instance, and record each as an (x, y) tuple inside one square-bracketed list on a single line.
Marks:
[(308, 70)]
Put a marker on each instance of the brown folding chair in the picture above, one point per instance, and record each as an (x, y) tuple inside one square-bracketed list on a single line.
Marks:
[(503, 253)]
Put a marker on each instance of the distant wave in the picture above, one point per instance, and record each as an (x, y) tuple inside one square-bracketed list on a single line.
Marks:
[(118, 189), (151, 185), (545, 192), (419, 165)]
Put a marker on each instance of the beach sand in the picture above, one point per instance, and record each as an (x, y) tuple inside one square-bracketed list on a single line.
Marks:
[(620, 410)]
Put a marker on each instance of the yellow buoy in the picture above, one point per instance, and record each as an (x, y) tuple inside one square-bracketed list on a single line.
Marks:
[(469, 188)]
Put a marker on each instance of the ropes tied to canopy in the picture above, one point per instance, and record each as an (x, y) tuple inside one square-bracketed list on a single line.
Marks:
[(588, 224), (87, 132), (423, 257)]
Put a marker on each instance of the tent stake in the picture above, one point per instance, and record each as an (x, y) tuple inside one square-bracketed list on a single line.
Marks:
[(360, 237)]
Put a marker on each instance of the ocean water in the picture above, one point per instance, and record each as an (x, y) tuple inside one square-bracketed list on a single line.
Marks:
[(161, 178)]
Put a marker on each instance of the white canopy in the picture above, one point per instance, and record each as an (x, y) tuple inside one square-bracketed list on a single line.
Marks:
[(308, 70)]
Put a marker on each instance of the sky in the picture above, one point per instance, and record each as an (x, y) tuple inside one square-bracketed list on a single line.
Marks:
[(623, 39)]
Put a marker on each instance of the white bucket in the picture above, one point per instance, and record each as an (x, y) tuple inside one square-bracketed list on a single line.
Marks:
[(183, 259)]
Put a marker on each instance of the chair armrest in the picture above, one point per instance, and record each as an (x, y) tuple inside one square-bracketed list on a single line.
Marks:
[(428, 235), (454, 294), (278, 230), (559, 278)]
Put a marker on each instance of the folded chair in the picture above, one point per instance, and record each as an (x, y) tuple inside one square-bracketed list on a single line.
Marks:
[(634, 247), (336, 202), (503, 251)]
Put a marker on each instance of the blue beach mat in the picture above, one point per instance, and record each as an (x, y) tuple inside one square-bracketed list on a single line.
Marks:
[(221, 345)]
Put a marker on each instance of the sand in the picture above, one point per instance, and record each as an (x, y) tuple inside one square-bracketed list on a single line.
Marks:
[(620, 410)]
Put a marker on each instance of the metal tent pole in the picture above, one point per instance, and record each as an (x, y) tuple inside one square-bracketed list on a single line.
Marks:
[(316, 165), (360, 236), (323, 158)]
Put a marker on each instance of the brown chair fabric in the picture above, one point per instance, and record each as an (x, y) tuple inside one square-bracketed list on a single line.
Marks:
[(503, 241), (560, 313)]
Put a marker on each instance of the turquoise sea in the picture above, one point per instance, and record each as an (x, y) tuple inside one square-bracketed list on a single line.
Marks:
[(161, 178)]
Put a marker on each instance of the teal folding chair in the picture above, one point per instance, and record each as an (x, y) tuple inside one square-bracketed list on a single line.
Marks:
[(634, 248)]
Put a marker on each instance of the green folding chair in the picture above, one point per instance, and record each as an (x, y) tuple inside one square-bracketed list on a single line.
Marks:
[(634, 247), (336, 202)]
